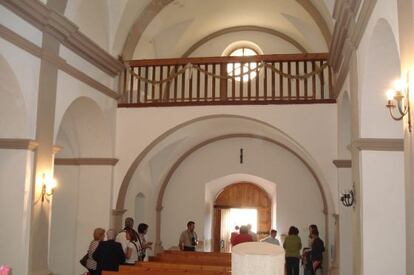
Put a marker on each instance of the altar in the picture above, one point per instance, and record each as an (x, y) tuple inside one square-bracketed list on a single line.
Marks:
[(257, 258)]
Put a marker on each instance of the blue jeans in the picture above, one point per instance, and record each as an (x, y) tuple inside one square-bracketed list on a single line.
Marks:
[(292, 265)]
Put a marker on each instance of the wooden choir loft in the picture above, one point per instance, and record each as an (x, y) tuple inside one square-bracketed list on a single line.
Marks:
[(266, 79)]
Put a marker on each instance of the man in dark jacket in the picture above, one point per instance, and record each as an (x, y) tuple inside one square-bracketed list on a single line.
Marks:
[(318, 248), (109, 254)]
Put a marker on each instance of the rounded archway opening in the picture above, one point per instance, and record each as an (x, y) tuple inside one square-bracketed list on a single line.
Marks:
[(13, 117), (382, 68), (83, 133), (240, 204)]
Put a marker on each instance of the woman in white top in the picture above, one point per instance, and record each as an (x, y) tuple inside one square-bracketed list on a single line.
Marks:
[(131, 252)]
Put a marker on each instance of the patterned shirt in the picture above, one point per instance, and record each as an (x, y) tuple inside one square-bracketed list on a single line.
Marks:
[(91, 263)]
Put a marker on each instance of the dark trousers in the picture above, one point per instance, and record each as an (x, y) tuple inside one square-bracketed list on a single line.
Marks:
[(94, 272), (189, 248), (292, 266)]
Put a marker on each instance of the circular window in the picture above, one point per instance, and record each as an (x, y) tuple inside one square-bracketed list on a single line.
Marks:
[(239, 71)]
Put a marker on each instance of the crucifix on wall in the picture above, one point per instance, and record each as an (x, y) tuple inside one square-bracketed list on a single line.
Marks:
[(241, 155)]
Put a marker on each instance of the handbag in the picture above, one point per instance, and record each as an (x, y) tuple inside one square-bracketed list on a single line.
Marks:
[(141, 252), (84, 260)]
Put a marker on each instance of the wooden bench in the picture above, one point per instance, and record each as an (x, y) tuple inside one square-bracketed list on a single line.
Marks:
[(192, 259), (207, 254), (177, 266), (180, 263), (139, 270)]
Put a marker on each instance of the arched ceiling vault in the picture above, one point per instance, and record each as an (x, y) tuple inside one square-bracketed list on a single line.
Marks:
[(198, 130), (225, 31), (301, 7)]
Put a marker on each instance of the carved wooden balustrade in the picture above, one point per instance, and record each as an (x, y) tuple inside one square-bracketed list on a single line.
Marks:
[(261, 79)]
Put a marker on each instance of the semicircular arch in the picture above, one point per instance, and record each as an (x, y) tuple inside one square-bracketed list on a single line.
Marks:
[(156, 6), (225, 31), (12, 105), (81, 123), (288, 147), (282, 138), (377, 81)]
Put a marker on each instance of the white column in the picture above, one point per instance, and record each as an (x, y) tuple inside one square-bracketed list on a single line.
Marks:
[(383, 212), (81, 203), (16, 173), (345, 224)]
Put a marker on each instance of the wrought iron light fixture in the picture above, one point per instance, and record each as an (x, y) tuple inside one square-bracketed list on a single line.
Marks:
[(347, 198), (399, 98)]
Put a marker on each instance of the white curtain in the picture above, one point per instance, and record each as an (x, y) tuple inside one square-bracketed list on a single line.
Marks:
[(225, 230)]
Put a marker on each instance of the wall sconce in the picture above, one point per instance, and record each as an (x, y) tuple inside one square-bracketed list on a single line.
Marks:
[(348, 198), (399, 98), (48, 186)]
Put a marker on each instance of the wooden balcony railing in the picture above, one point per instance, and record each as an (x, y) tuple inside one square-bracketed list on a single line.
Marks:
[(262, 79)]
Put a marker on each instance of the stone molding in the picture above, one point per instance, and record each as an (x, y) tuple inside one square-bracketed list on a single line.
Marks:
[(59, 62), (57, 149), (351, 17), (18, 143), (378, 144), (342, 163), (66, 32), (86, 161)]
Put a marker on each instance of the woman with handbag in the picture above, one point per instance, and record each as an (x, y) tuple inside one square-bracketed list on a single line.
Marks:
[(91, 264), (143, 244)]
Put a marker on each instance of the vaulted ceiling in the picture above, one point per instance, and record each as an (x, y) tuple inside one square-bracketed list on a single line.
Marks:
[(135, 25)]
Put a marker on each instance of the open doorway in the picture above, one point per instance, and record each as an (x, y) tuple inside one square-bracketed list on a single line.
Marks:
[(232, 217), (240, 204)]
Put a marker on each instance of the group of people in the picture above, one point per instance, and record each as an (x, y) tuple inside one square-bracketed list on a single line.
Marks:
[(242, 234), (127, 247), (311, 256)]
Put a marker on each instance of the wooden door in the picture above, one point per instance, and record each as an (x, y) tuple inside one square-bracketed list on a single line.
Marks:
[(242, 195)]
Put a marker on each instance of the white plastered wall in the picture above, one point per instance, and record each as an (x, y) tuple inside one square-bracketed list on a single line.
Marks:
[(19, 73), (317, 136), (83, 198), (344, 182), (299, 201), (83, 121), (269, 44), (216, 186), (320, 144), (25, 69), (15, 205), (92, 18), (381, 173)]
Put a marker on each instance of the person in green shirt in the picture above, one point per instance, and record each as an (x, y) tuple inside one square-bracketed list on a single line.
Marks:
[(292, 246)]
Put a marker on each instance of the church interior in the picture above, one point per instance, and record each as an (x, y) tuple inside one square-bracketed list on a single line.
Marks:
[(274, 113)]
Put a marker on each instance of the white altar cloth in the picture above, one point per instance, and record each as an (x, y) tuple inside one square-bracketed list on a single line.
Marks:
[(257, 258)]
